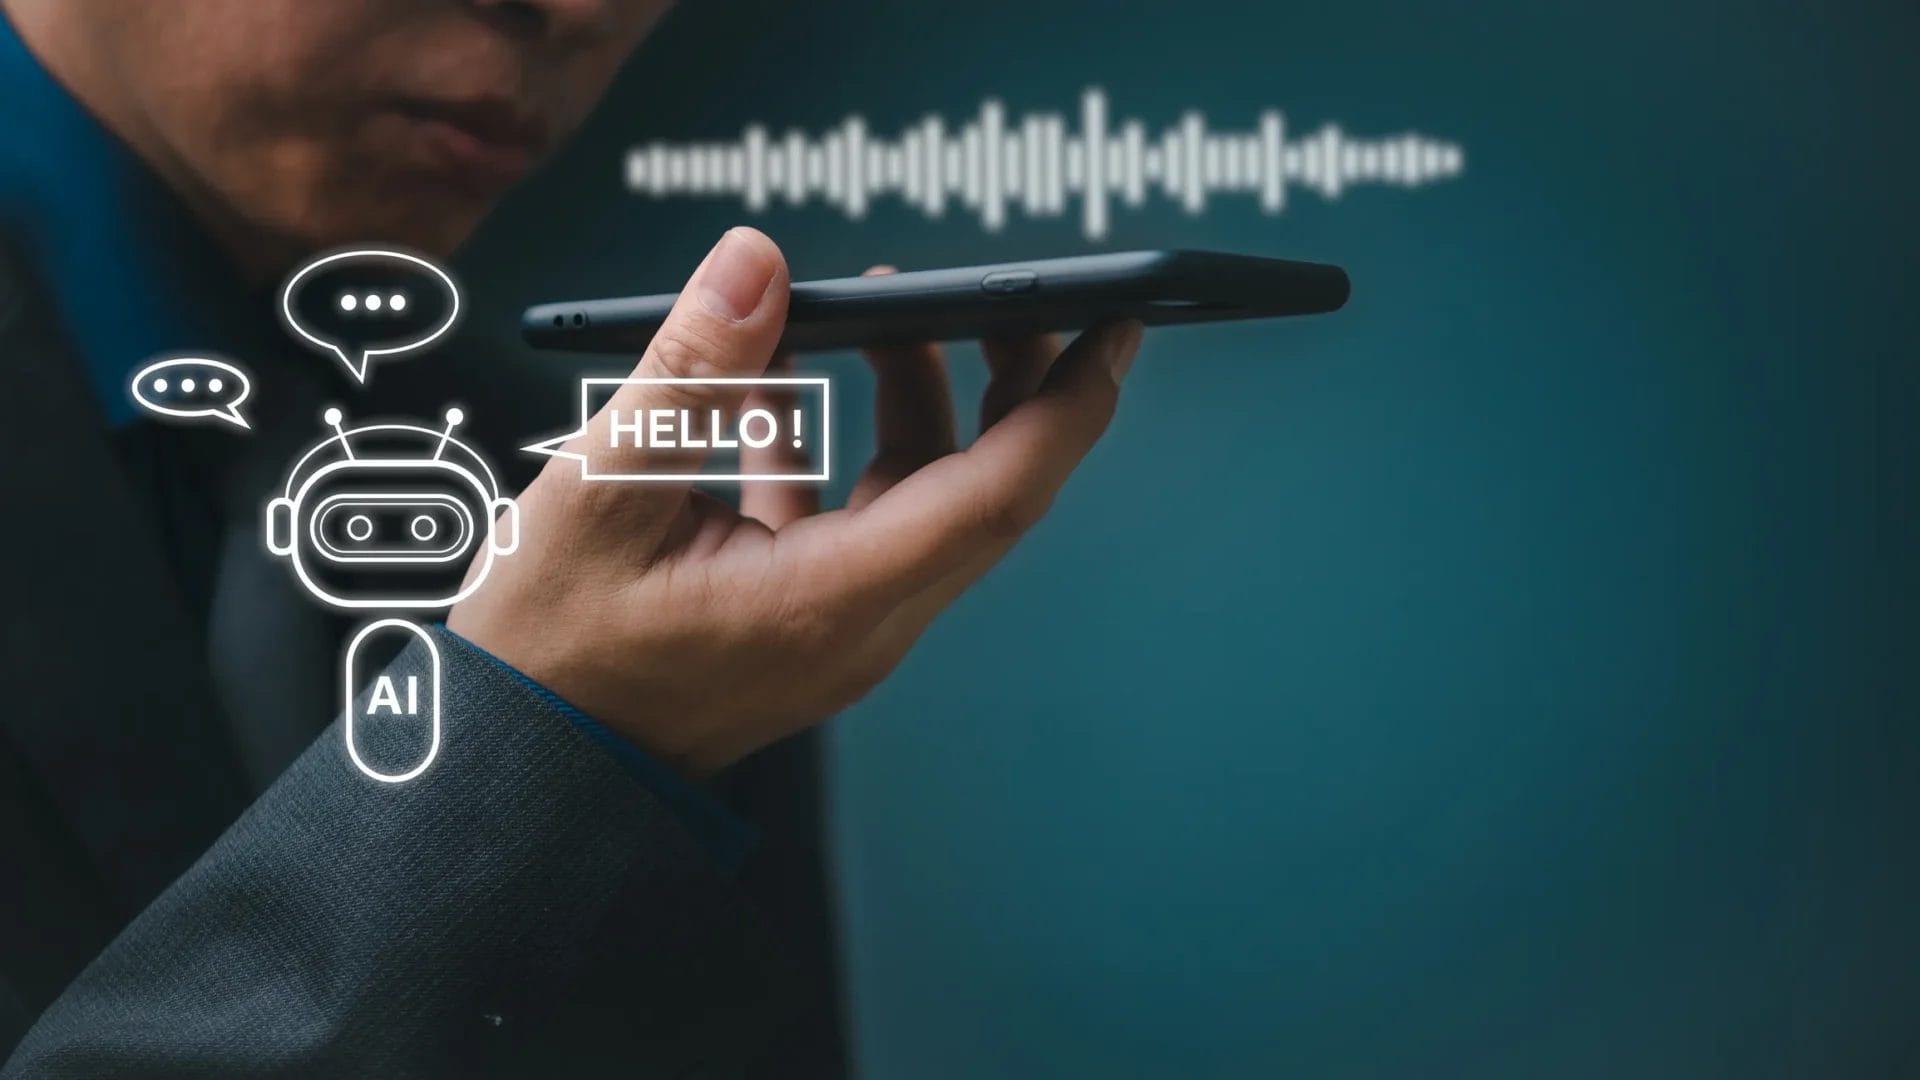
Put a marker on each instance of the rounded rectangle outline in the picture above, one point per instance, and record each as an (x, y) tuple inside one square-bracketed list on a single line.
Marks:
[(346, 668), (384, 557)]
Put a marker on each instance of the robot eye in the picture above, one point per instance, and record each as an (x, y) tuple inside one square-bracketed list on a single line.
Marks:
[(391, 528)]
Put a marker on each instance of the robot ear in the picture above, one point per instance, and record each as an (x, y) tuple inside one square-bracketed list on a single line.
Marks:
[(280, 526), (506, 526)]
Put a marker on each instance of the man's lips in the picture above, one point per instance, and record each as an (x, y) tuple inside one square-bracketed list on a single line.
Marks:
[(490, 142)]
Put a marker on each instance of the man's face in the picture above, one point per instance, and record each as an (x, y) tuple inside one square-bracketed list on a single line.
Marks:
[(326, 122)]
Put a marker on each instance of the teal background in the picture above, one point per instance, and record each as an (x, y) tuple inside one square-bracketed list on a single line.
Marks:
[(1511, 675)]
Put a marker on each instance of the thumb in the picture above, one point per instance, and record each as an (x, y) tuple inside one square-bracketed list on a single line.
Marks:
[(724, 326)]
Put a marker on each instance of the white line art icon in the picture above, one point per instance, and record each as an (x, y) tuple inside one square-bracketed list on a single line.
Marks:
[(367, 303), (677, 429), (391, 700), (1034, 162), (194, 388), (390, 516)]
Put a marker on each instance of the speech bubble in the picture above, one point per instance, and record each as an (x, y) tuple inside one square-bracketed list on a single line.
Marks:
[(193, 388), (368, 303), (806, 426)]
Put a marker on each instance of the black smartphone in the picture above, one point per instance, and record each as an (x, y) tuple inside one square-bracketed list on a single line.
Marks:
[(965, 302)]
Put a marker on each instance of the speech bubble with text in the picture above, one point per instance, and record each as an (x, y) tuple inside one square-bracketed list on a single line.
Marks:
[(665, 438)]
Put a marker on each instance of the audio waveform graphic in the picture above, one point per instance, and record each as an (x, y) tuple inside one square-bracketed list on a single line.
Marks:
[(992, 163)]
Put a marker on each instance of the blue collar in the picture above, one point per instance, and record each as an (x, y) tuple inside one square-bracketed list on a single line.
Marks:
[(131, 272)]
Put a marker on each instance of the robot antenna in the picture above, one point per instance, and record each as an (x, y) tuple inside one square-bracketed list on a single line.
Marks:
[(332, 417)]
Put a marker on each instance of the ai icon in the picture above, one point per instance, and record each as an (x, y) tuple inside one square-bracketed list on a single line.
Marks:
[(391, 517), (393, 730)]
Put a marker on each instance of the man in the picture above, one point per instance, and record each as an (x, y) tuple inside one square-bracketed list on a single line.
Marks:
[(206, 886)]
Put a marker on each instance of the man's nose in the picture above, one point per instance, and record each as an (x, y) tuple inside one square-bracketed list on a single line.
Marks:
[(548, 18)]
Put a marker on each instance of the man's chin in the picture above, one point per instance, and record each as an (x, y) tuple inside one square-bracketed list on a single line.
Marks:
[(418, 219), (270, 228)]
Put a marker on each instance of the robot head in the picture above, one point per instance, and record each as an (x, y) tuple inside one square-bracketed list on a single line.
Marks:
[(392, 516)]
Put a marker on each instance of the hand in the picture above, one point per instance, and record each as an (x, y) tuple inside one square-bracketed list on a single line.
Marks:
[(703, 633)]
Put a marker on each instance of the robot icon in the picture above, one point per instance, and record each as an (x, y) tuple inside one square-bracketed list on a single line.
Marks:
[(392, 517)]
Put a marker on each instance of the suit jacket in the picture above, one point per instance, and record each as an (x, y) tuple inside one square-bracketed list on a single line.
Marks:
[(523, 905)]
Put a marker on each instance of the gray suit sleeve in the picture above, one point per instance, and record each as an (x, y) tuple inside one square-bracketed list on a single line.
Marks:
[(443, 926)]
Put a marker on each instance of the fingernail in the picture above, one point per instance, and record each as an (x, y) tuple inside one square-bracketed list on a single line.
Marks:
[(1123, 345), (735, 278)]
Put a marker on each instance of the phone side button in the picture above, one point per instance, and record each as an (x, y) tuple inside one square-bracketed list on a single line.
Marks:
[(1009, 282)]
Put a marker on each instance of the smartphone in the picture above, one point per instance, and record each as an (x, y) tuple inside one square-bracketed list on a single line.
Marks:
[(966, 302)]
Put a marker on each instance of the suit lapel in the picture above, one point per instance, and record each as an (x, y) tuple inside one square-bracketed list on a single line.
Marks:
[(103, 677)]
